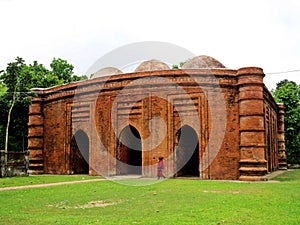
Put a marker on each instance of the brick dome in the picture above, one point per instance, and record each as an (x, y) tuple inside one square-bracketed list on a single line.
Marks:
[(106, 71), (202, 61), (152, 65)]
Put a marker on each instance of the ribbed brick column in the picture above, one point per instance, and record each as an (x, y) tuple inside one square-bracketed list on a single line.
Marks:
[(253, 165), (36, 137), (281, 141)]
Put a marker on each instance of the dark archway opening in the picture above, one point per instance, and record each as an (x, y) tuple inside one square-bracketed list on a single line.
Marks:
[(129, 152), (79, 155), (187, 152)]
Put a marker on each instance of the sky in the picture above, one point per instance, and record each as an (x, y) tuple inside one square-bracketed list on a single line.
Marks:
[(262, 33)]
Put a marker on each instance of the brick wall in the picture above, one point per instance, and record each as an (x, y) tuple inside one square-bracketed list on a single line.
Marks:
[(225, 108)]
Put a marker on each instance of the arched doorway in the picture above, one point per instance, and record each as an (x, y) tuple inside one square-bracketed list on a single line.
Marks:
[(129, 152), (79, 155), (187, 152)]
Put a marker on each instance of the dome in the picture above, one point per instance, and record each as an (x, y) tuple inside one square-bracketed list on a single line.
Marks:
[(152, 65), (106, 71), (202, 62)]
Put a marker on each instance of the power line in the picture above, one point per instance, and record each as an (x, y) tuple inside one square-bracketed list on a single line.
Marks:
[(17, 92), (288, 71)]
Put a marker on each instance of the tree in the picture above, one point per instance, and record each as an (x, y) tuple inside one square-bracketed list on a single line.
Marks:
[(14, 87), (35, 75), (288, 93), (15, 83), (176, 67), (64, 71), (14, 90)]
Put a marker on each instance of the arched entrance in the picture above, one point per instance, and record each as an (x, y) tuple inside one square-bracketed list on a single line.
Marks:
[(187, 152), (79, 155), (129, 152)]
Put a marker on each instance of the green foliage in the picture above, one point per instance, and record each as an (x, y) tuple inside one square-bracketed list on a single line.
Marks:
[(3, 87), (36, 75), (16, 95), (64, 71), (10, 77), (17, 80), (288, 93), (176, 67)]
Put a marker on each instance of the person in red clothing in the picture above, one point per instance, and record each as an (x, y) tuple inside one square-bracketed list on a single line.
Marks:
[(160, 168)]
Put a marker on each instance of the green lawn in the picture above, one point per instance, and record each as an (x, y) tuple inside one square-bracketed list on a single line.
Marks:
[(43, 179), (173, 201)]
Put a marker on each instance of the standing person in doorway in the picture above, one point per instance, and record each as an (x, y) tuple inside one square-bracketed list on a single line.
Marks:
[(160, 168)]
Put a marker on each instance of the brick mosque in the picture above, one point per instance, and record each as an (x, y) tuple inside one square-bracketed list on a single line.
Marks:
[(207, 121)]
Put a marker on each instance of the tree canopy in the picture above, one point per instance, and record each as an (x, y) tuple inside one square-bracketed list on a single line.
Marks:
[(15, 84), (288, 93)]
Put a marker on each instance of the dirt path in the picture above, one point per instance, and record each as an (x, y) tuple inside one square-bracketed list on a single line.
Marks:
[(268, 177), (48, 185)]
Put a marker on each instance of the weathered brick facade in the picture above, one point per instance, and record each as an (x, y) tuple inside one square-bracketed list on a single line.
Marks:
[(213, 123)]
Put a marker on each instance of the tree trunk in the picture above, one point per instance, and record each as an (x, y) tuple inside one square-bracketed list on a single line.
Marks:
[(7, 127)]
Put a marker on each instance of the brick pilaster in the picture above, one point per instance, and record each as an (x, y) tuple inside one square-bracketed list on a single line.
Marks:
[(36, 137), (253, 165)]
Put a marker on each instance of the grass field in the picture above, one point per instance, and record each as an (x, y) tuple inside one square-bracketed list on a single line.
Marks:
[(173, 201), (32, 180)]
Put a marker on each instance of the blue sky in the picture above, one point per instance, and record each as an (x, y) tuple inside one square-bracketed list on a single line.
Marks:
[(261, 33)]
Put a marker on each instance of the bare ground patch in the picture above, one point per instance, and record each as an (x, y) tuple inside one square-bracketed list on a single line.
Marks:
[(222, 191), (91, 204)]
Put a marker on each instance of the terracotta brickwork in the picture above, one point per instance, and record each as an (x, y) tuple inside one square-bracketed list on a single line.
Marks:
[(121, 124)]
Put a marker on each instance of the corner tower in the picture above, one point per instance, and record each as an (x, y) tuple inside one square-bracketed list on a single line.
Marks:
[(253, 165)]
